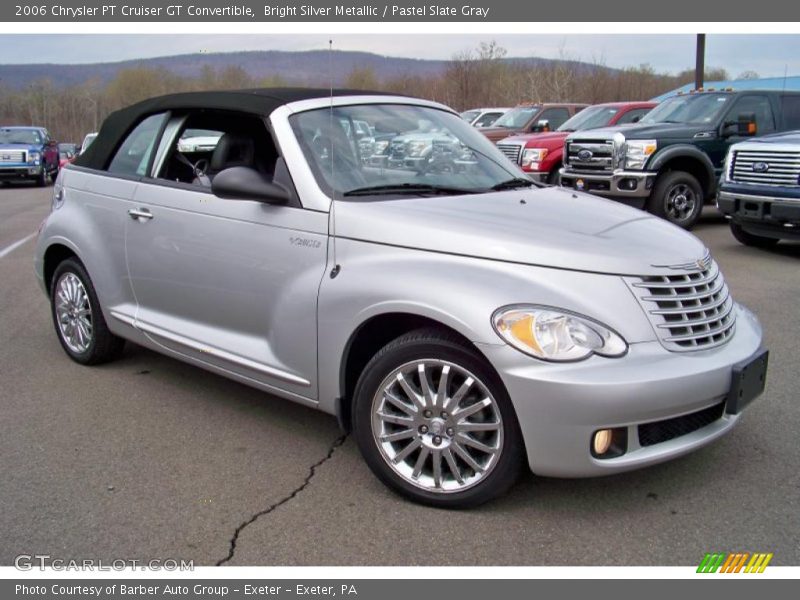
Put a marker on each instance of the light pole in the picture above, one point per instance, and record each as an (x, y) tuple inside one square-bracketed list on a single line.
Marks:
[(700, 60)]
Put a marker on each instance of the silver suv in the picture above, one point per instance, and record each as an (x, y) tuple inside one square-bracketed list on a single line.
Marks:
[(461, 322)]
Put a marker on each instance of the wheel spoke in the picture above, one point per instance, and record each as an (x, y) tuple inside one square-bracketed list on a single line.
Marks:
[(396, 419), (459, 395), (410, 393), (423, 456), (476, 444), (413, 445), (469, 426), (451, 463), (441, 393), (437, 468), (427, 394), (466, 457), (400, 435), (470, 410), (395, 401)]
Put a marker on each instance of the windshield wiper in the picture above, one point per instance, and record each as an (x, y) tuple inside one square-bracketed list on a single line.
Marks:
[(408, 188), (512, 184)]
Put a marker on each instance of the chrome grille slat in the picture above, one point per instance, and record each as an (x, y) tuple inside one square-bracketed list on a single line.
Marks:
[(703, 321), (602, 158), (512, 151), (12, 156), (680, 310), (783, 167), (691, 310)]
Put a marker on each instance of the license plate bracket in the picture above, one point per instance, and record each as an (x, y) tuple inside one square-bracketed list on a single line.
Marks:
[(748, 380)]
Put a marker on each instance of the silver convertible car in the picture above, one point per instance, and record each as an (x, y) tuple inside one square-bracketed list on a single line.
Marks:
[(459, 319)]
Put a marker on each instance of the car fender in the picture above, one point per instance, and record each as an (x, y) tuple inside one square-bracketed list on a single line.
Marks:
[(665, 155)]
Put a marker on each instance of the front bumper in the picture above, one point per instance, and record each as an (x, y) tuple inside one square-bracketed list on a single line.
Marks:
[(561, 405), (618, 184), (762, 213), (22, 171)]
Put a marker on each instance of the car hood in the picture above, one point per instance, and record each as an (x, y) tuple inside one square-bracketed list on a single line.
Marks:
[(637, 131), (28, 147), (545, 139), (552, 227)]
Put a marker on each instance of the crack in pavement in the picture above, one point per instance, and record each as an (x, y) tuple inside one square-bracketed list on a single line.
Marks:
[(311, 472)]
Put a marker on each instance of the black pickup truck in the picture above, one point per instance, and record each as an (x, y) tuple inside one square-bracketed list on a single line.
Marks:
[(670, 162)]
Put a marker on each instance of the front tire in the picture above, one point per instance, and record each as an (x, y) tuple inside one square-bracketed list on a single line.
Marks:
[(750, 239), (678, 198), (77, 316), (434, 422)]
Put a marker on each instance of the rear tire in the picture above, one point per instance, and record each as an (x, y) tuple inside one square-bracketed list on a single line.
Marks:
[(750, 239), (460, 417), (78, 318), (678, 198)]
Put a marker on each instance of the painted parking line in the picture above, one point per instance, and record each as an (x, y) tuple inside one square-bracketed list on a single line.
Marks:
[(9, 249)]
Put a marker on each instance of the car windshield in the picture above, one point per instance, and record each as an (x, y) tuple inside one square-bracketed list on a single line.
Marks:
[(692, 108), (20, 136), (517, 117), (590, 118), (414, 150), (470, 115)]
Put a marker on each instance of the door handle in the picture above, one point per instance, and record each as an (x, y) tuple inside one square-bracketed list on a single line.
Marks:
[(140, 213)]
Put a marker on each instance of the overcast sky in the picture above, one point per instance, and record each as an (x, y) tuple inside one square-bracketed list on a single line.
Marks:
[(768, 55)]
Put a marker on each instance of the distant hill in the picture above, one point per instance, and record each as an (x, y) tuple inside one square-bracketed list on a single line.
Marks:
[(301, 68)]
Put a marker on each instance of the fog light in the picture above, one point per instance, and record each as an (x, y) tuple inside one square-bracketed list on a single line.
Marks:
[(602, 441)]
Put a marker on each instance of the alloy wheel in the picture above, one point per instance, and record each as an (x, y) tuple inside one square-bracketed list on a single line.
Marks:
[(74, 313)]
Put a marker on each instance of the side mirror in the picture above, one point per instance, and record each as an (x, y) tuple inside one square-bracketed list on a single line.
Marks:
[(542, 125), (244, 183), (744, 126)]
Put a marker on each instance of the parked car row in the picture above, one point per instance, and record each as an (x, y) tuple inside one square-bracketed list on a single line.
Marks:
[(673, 158)]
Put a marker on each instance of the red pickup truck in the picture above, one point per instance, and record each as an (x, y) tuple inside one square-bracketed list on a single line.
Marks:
[(539, 154), (531, 117)]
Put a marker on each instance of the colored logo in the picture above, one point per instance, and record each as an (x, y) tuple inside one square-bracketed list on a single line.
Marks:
[(734, 562), (760, 167), (585, 154)]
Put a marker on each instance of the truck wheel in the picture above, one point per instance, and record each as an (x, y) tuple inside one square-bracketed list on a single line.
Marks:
[(749, 239), (77, 316), (434, 422), (678, 198)]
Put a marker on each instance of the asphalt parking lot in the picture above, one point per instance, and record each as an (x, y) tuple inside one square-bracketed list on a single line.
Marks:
[(150, 458)]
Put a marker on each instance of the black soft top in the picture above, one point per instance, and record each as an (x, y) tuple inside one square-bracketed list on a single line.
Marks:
[(261, 101)]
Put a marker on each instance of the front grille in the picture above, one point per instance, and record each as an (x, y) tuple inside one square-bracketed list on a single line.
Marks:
[(590, 155), (690, 311), (766, 167), (12, 156), (663, 431), (512, 151)]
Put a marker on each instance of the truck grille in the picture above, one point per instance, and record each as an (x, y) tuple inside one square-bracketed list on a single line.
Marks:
[(691, 311), (512, 151), (765, 167), (590, 155), (12, 156)]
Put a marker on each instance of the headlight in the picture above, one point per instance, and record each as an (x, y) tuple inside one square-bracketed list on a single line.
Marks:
[(637, 152), (34, 157), (556, 335), (726, 169), (531, 157), (417, 148)]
